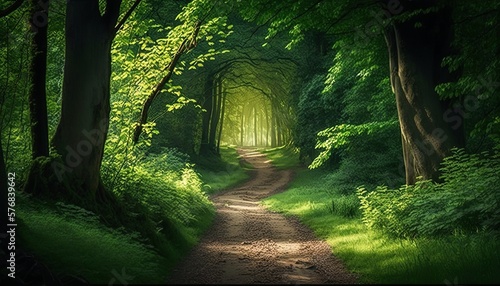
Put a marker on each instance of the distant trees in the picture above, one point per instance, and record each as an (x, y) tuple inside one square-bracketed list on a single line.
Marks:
[(420, 41)]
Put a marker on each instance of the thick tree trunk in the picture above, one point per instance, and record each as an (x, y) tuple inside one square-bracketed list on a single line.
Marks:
[(38, 70), (83, 126), (415, 55)]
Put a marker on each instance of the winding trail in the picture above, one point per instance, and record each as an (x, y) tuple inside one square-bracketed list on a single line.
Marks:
[(248, 244)]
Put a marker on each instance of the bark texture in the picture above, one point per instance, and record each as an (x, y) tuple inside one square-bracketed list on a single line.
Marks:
[(38, 71), (416, 48), (83, 126)]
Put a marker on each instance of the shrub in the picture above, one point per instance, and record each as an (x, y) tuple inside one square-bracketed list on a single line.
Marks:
[(466, 201)]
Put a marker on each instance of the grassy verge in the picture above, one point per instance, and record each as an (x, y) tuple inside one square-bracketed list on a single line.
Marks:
[(220, 174), (167, 211), (282, 157), (84, 247), (376, 257)]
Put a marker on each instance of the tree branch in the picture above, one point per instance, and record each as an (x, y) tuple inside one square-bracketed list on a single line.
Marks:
[(11, 8), (112, 12), (187, 44), (127, 15)]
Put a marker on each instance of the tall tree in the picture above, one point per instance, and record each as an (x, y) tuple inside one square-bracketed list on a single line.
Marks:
[(83, 125), (416, 48), (417, 40), (11, 8), (38, 69)]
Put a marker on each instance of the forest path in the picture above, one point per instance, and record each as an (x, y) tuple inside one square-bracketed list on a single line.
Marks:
[(249, 244)]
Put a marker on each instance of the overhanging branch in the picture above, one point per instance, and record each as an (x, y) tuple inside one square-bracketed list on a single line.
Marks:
[(11, 8)]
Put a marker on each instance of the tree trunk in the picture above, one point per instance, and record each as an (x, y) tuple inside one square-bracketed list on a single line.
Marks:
[(255, 125), (223, 110), (83, 126), (38, 70), (267, 125), (215, 114), (415, 55), (273, 126), (186, 45), (208, 106), (242, 125)]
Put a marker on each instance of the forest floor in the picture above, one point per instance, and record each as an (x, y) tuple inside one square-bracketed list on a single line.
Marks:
[(249, 244)]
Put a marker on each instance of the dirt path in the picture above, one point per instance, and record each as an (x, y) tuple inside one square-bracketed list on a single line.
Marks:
[(249, 244)]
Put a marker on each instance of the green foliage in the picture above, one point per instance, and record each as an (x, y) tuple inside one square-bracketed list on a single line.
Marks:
[(71, 240), (342, 136), (316, 110), (167, 188), (377, 258), (466, 201)]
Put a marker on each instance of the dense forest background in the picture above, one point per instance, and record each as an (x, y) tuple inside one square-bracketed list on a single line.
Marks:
[(119, 118)]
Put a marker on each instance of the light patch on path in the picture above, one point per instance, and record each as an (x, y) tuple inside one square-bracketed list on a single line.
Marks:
[(248, 244)]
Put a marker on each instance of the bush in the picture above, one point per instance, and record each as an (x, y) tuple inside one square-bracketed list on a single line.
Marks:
[(467, 201), (164, 193)]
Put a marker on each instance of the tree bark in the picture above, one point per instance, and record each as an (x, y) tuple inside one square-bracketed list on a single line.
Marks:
[(255, 125), (242, 125), (221, 124), (38, 70), (208, 107), (415, 55), (273, 125), (186, 45), (9, 9), (215, 113), (83, 125)]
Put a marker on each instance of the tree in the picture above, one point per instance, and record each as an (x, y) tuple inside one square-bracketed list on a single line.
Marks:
[(11, 8), (416, 48), (418, 37), (38, 70), (82, 129)]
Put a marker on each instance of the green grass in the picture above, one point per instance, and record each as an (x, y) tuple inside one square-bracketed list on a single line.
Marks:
[(218, 174), (85, 247), (282, 157), (174, 213), (378, 258)]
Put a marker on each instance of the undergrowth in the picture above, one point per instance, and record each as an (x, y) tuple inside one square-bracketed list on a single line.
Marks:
[(467, 200), (163, 208), (323, 204)]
